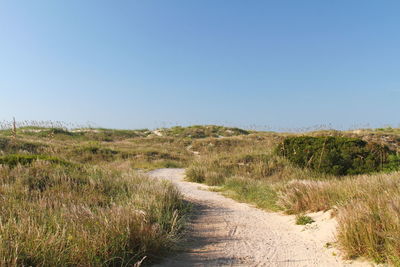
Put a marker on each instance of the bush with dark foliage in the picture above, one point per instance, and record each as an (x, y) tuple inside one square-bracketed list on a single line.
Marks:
[(336, 155)]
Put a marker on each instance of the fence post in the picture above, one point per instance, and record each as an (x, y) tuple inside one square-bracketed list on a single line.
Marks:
[(14, 128)]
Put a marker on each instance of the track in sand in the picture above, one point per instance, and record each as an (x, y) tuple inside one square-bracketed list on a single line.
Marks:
[(224, 232)]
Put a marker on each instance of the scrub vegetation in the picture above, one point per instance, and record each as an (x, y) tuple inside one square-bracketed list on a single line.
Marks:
[(337, 155), (355, 173), (77, 197), (69, 199)]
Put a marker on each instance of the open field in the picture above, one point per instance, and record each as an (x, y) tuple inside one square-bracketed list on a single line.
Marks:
[(61, 186)]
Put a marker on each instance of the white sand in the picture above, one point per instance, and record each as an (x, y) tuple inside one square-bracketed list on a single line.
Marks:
[(224, 232)]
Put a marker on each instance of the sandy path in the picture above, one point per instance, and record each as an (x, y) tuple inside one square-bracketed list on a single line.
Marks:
[(224, 232)]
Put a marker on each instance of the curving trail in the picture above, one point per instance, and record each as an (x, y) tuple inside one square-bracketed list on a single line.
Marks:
[(224, 232)]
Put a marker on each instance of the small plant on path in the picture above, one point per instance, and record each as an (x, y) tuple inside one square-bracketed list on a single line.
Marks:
[(303, 220)]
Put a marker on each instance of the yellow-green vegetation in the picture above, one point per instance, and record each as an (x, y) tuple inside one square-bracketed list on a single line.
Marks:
[(385, 130), (159, 152), (199, 131), (257, 192), (53, 215), (13, 160), (73, 197), (306, 178), (72, 200), (302, 219)]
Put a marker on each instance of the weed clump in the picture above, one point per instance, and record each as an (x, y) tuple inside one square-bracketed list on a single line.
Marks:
[(302, 219)]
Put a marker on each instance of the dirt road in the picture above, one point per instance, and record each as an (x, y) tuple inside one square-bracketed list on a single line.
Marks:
[(224, 232)]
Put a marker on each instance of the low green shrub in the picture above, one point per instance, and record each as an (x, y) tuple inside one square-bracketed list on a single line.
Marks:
[(47, 132), (93, 153), (195, 174), (214, 170), (335, 155), (110, 135), (8, 145), (199, 131), (215, 145), (13, 160), (393, 163), (172, 164), (261, 194), (98, 150), (152, 159), (154, 154), (303, 219)]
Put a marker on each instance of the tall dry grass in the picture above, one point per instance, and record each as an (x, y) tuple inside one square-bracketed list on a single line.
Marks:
[(53, 215), (368, 208), (371, 228), (298, 196)]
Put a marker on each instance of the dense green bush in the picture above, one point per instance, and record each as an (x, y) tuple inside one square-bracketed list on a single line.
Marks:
[(336, 155), (393, 163)]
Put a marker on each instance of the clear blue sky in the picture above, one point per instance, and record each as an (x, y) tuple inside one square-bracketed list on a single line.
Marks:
[(135, 64)]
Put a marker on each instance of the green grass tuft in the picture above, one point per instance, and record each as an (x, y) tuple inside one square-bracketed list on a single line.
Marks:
[(303, 219)]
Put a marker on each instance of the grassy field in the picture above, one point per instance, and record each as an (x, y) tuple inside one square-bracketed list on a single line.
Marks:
[(75, 197)]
